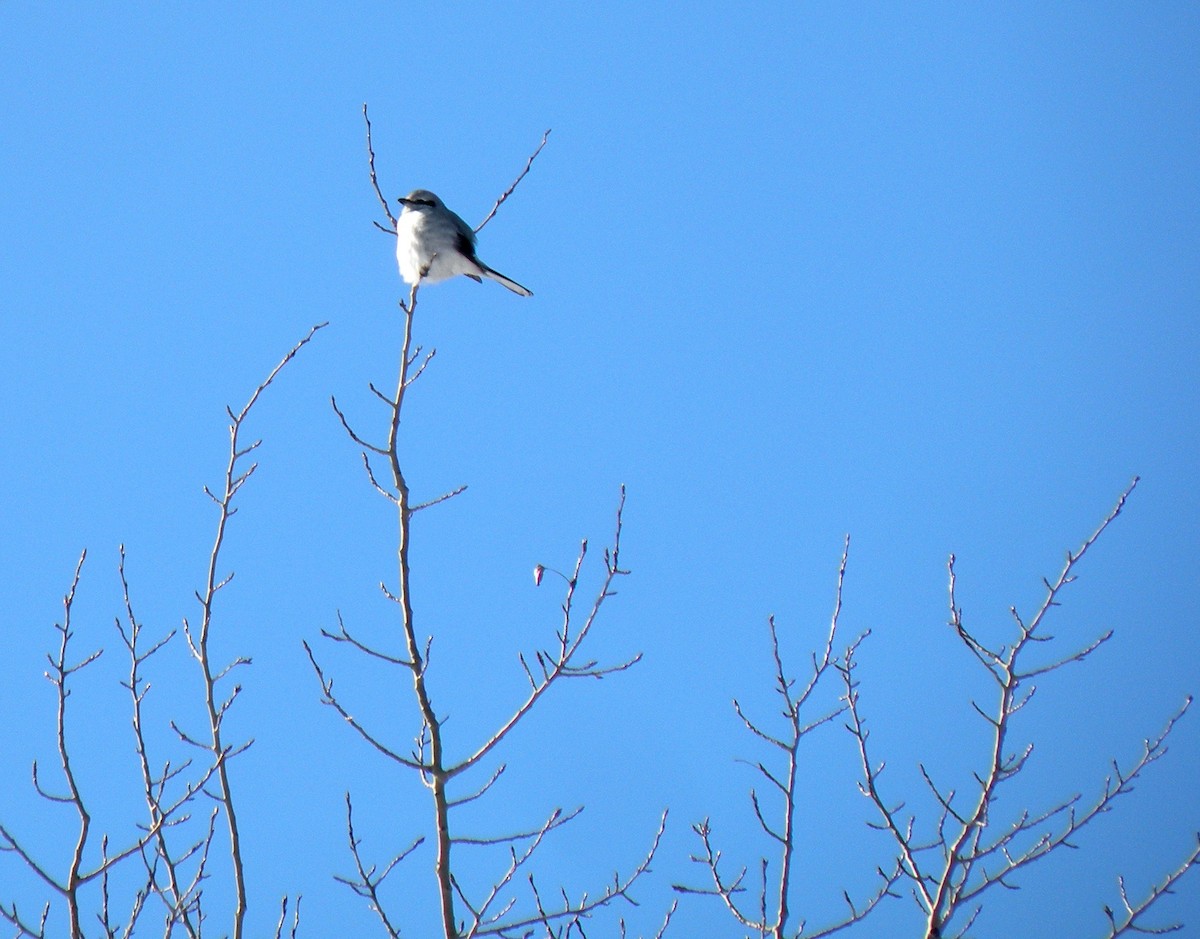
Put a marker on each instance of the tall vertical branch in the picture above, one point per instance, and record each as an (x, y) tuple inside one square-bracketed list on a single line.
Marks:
[(68, 886), (172, 893), (375, 178), (234, 478), (494, 912), (435, 775), (61, 672)]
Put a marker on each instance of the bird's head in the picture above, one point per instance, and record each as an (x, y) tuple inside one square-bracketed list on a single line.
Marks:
[(420, 199)]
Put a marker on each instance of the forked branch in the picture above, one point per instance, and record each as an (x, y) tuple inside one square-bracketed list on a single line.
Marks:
[(78, 875), (495, 912), (198, 639), (772, 914), (968, 851)]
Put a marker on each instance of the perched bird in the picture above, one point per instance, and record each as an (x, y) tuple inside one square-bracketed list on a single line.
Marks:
[(433, 244)]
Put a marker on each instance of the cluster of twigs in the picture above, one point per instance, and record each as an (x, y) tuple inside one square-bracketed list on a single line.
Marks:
[(971, 847), (773, 914), (174, 869)]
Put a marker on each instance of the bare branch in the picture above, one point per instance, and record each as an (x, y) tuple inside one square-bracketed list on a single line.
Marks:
[(352, 434), (516, 182), (561, 663), (152, 790), (374, 179), (374, 482), (1132, 912), (453, 803), (618, 888), (13, 916), (283, 909), (343, 635), (948, 888), (556, 820), (328, 698), (367, 882), (216, 746), (774, 916), (440, 499)]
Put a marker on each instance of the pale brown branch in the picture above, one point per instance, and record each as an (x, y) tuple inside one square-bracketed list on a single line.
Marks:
[(329, 699), (618, 888), (481, 921), (774, 917), (440, 499), (429, 757), (968, 865), (859, 912), (516, 182), (454, 803), (374, 482), (725, 889), (421, 369), (374, 179), (10, 844), (368, 881), (902, 836), (1133, 912), (283, 909), (13, 916), (755, 729), (556, 820), (1075, 657), (352, 434), (948, 893), (215, 710), (343, 635), (1119, 783), (561, 664), (152, 791)]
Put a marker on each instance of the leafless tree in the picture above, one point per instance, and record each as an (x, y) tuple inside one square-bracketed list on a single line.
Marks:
[(173, 874), (773, 914), (499, 909), (950, 862), (159, 866)]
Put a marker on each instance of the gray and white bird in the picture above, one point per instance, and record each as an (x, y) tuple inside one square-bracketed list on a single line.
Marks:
[(433, 244)]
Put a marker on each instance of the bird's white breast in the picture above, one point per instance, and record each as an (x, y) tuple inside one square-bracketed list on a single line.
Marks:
[(427, 249), (409, 243)]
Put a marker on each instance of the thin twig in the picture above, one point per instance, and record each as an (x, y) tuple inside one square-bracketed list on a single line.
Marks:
[(509, 191), (374, 179)]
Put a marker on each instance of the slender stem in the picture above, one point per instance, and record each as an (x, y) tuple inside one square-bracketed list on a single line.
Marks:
[(234, 479), (85, 820), (437, 777), (212, 705)]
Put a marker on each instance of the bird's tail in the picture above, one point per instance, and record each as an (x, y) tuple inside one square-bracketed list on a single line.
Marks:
[(507, 282)]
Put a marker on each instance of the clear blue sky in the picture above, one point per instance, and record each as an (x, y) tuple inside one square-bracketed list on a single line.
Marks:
[(923, 273)]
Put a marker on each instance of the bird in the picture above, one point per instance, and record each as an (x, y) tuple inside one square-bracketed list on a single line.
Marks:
[(433, 244)]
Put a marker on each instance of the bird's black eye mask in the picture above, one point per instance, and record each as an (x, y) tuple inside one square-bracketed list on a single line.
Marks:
[(415, 202)]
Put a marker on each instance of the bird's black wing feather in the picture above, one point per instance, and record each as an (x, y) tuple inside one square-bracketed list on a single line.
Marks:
[(466, 246)]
